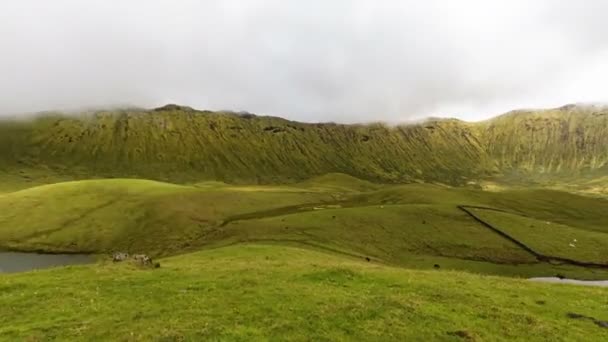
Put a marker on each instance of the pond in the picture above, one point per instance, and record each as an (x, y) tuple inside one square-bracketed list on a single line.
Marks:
[(603, 283), (20, 262)]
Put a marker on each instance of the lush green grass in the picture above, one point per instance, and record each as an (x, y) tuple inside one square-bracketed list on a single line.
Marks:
[(28, 177), (415, 225), (589, 186), (549, 238), (556, 206), (392, 233), (135, 215), (258, 292), (78, 184), (576, 211)]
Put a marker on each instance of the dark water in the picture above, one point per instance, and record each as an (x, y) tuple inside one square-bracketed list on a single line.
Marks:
[(19, 262)]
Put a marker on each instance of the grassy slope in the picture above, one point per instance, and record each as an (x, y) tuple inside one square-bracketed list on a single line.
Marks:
[(180, 144), (125, 214), (593, 186), (281, 293), (390, 233), (571, 139), (549, 238), (414, 225)]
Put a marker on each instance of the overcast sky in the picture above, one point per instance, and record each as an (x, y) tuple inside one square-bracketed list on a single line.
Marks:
[(339, 60)]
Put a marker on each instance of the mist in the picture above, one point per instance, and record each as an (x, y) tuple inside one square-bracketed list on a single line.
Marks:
[(343, 61)]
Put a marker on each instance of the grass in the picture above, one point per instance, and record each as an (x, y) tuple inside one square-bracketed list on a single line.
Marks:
[(261, 292), (125, 214), (279, 230), (551, 239), (391, 233), (416, 225)]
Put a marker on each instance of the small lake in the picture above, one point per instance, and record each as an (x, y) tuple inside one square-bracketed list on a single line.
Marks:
[(19, 262), (603, 283)]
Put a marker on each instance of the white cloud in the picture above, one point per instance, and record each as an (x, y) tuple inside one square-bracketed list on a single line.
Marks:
[(314, 60)]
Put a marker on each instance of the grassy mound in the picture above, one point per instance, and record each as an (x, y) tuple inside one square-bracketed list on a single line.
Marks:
[(124, 214), (256, 292)]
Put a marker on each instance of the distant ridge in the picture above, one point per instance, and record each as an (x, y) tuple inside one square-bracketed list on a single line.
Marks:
[(182, 144)]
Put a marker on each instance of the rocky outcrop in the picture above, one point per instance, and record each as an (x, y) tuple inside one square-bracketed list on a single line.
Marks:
[(119, 256), (141, 260)]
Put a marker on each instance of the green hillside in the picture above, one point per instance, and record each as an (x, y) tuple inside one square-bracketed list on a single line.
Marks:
[(76, 183), (263, 292), (571, 140), (550, 238), (272, 229), (416, 225), (179, 144), (137, 215)]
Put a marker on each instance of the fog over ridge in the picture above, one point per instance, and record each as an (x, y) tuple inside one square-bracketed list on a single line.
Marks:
[(344, 61)]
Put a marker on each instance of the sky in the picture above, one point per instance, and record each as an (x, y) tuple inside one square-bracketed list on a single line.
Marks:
[(315, 60)]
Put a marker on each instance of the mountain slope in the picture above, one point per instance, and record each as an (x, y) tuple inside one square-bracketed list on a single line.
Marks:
[(571, 140), (180, 144)]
